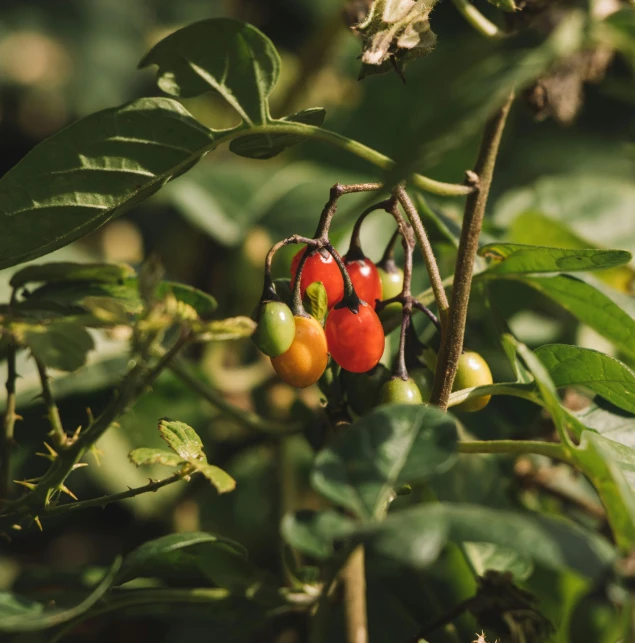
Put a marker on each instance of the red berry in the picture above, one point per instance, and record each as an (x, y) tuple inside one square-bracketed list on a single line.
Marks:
[(365, 278), (320, 266), (355, 340)]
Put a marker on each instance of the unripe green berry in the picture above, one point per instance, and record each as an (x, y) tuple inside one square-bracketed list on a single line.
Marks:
[(391, 282), (473, 371), (399, 391), (423, 378), (276, 328)]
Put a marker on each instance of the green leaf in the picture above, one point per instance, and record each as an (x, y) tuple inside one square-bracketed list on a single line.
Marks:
[(591, 304), (105, 273), (175, 555), (266, 146), (537, 229), (487, 556), (92, 171), (226, 56), (315, 532), (186, 443), (316, 301), (19, 614), (416, 536), (61, 345), (604, 375), (613, 423), (200, 301), (510, 258), (146, 455), (392, 445), (225, 329)]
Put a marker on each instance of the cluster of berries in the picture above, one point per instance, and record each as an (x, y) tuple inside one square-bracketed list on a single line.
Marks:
[(353, 335)]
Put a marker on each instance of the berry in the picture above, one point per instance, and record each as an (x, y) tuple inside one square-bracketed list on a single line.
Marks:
[(362, 389), (320, 266), (305, 360), (355, 339), (365, 278), (423, 378), (276, 328), (473, 371), (391, 281), (399, 391)]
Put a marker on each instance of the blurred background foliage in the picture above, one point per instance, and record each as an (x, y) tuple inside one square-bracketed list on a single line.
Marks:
[(558, 183)]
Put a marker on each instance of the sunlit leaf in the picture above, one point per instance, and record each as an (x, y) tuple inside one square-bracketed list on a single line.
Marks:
[(92, 171), (145, 455)]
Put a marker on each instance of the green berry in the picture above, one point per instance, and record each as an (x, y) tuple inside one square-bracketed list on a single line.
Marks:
[(423, 378), (362, 389), (276, 328), (473, 371), (399, 391), (391, 282)]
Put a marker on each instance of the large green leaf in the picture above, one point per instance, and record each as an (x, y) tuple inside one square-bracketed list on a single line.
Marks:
[(18, 614), (392, 445), (416, 536), (93, 171), (613, 423), (226, 56), (315, 532), (509, 258), (604, 375), (187, 555), (590, 303)]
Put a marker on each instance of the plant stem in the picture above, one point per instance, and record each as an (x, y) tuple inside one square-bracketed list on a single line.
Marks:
[(354, 578), (428, 255), (8, 425), (478, 20), (553, 450), (247, 418), (452, 339), (103, 501), (57, 430)]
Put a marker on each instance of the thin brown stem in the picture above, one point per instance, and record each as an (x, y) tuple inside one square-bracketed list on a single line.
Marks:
[(354, 577), (57, 432), (452, 338), (428, 255), (8, 425)]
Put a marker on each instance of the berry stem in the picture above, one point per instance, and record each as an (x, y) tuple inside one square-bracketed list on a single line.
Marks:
[(387, 261), (355, 248), (351, 300), (452, 338)]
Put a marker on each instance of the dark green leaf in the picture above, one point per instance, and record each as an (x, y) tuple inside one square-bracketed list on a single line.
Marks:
[(591, 304), (19, 614), (510, 258), (390, 446), (487, 556), (316, 301), (61, 345), (266, 146), (146, 455), (222, 55), (106, 273), (176, 555), (416, 537), (604, 375), (92, 171), (315, 532)]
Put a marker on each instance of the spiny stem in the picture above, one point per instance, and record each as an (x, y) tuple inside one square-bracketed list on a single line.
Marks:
[(8, 424), (484, 26), (428, 255), (454, 330), (57, 430)]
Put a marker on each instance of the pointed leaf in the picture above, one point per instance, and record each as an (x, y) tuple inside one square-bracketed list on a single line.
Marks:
[(509, 258), (222, 55), (392, 445), (266, 146), (219, 478), (316, 301), (604, 375), (183, 440), (92, 171)]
